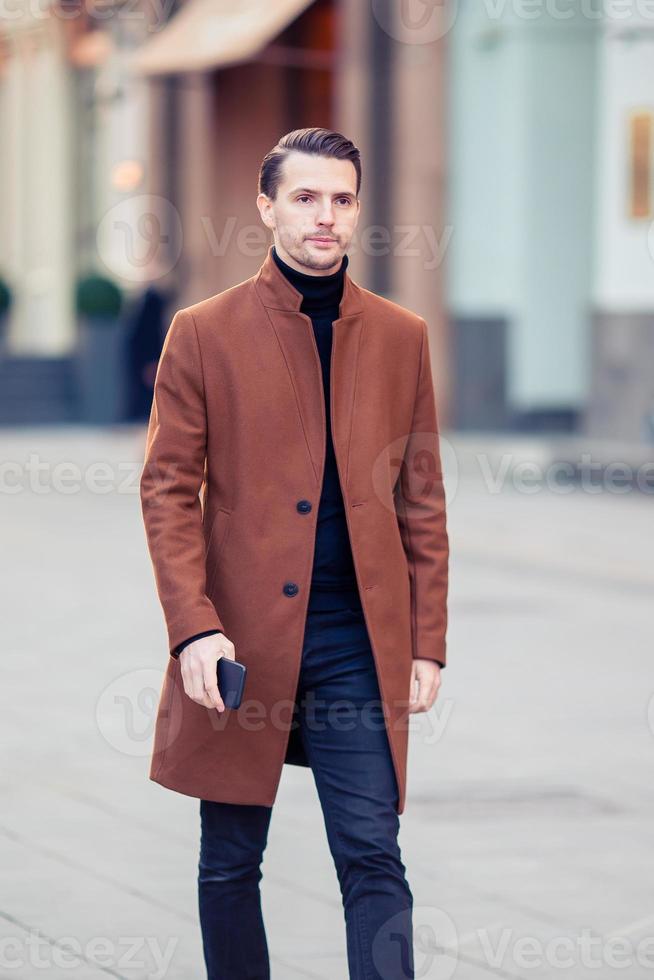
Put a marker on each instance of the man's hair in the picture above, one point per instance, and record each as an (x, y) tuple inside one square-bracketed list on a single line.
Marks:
[(320, 142)]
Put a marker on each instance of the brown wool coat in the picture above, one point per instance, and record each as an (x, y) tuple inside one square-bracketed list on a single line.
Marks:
[(236, 438)]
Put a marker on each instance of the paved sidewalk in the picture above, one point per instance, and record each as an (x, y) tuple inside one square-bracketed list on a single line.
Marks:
[(529, 818)]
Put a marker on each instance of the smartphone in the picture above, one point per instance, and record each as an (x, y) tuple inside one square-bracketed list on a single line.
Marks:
[(231, 681)]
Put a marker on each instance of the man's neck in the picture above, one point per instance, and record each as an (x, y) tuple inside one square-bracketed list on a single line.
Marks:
[(319, 292)]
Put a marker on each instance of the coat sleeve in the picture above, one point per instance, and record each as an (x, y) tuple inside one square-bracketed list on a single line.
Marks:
[(170, 483), (421, 515)]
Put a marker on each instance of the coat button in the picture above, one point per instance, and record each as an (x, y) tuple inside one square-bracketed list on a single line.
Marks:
[(304, 506), (290, 588)]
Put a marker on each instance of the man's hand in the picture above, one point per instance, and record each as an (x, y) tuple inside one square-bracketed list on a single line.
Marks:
[(426, 675), (198, 662)]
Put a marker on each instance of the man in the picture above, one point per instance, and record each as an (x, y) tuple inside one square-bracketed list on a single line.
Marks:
[(293, 501)]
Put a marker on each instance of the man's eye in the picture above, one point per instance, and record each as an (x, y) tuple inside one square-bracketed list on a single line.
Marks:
[(304, 197)]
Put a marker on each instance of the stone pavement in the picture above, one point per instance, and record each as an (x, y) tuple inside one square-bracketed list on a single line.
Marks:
[(528, 833)]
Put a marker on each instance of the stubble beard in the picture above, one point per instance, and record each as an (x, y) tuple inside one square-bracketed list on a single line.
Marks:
[(303, 254)]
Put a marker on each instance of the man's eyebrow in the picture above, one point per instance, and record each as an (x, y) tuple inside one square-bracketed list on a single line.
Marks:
[(311, 190)]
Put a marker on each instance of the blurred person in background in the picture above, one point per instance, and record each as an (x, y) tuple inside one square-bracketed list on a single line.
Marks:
[(144, 343), (302, 405)]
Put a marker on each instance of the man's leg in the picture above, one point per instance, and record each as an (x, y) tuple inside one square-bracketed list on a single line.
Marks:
[(342, 727), (233, 839)]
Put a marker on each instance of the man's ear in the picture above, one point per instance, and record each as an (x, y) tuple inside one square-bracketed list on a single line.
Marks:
[(265, 210)]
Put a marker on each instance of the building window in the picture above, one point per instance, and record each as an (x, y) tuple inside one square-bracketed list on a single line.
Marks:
[(640, 164)]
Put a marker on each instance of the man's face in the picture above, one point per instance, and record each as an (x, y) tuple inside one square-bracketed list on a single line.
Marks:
[(315, 212)]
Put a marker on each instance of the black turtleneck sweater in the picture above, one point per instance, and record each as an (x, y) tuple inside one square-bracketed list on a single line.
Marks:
[(333, 579)]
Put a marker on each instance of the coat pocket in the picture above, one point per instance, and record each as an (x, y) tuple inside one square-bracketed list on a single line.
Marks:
[(216, 544)]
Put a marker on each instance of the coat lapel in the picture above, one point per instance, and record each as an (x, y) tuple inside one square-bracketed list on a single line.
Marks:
[(298, 345)]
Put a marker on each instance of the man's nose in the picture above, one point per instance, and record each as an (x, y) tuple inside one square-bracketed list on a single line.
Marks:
[(326, 215)]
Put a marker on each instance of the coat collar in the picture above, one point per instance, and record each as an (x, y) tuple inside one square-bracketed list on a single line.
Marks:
[(296, 339), (277, 293)]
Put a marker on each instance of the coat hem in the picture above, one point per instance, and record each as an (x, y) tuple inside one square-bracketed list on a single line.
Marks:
[(224, 798)]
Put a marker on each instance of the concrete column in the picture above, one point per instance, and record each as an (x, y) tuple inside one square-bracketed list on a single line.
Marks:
[(197, 176), (353, 102), (419, 234), (38, 168)]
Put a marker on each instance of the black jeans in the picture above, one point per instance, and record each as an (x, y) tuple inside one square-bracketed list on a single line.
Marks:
[(342, 728)]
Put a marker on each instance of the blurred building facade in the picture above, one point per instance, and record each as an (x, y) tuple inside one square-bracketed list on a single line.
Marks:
[(76, 149), (506, 197), (550, 275), (166, 124)]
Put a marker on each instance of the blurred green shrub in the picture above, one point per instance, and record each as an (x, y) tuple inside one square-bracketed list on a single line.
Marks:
[(5, 296), (98, 297)]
